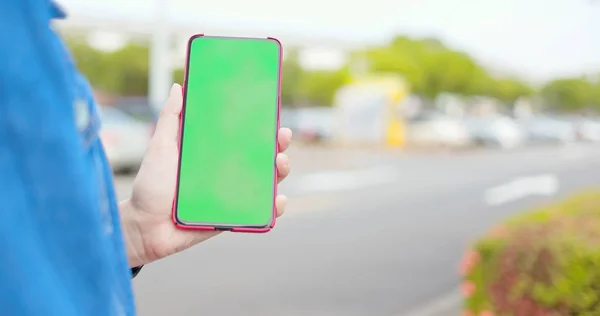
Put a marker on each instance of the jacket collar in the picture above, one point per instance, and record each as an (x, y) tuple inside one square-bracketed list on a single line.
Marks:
[(58, 12)]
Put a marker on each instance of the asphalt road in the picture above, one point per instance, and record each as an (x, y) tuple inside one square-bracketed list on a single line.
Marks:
[(366, 233)]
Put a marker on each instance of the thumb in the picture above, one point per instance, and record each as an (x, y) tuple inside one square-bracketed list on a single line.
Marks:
[(167, 126)]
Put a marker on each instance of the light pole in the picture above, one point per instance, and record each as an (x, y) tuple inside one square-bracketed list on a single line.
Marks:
[(161, 73)]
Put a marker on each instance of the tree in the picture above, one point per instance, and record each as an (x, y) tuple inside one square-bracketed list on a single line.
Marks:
[(178, 75), (404, 56), (431, 67), (90, 62), (509, 90), (449, 71), (319, 87), (427, 64), (570, 94), (313, 87), (123, 72), (128, 69), (292, 73)]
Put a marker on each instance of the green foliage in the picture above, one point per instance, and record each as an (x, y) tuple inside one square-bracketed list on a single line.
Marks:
[(544, 262), (311, 87), (572, 94), (319, 87), (129, 70), (510, 90), (428, 65), (432, 68), (90, 62), (123, 72), (178, 75), (292, 74)]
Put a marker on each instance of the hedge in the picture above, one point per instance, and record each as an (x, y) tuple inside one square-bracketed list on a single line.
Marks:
[(542, 262)]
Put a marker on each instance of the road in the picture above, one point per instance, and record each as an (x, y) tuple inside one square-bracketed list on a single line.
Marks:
[(365, 233)]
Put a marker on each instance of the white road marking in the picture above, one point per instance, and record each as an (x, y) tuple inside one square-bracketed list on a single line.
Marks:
[(446, 305), (346, 180), (544, 184)]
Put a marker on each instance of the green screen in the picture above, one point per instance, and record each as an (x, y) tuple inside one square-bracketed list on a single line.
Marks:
[(227, 164)]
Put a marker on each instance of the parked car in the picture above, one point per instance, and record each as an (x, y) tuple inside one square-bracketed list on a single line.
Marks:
[(589, 130), (139, 108), (142, 112), (125, 139), (314, 124), (288, 117), (436, 129), (586, 128), (495, 130), (549, 129)]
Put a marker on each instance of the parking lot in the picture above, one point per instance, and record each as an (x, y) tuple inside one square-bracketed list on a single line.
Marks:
[(378, 232)]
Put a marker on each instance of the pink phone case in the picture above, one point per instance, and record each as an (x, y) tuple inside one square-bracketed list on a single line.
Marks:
[(232, 229)]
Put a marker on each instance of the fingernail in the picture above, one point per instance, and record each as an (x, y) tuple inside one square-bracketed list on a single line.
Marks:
[(175, 88), (283, 199)]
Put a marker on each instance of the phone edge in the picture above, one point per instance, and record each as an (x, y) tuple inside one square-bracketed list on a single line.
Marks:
[(268, 226)]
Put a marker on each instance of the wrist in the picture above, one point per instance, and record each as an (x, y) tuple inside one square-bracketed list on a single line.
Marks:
[(132, 236)]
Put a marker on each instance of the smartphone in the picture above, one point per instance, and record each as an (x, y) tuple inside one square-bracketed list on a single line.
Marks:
[(227, 177)]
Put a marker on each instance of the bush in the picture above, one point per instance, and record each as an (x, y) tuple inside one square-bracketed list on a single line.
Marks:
[(545, 262)]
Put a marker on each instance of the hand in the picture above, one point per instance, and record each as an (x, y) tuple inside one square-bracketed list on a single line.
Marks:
[(148, 228)]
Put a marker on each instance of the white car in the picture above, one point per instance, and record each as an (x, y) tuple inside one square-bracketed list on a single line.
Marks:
[(437, 129), (495, 130), (125, 139), (314, 123), (549, 129), (587, 128)]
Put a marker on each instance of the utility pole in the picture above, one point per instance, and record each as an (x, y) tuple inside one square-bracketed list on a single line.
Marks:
[(359, 67), (161, 73)]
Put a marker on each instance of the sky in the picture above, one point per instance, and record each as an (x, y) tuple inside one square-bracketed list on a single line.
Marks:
[(534, 39)]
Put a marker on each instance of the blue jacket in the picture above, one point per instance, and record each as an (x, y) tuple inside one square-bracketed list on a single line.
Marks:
[(61, 247)]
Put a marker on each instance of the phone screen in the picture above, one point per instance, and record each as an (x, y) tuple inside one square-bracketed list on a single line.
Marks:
[(229, 133)]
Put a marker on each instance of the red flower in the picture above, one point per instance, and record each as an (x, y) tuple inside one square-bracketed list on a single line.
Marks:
[(468, 288), (468, 262)]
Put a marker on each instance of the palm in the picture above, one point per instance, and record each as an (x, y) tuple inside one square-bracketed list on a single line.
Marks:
[(154, 186), (153, 193)]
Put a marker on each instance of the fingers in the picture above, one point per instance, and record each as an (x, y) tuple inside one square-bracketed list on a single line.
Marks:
[(280, 202), (167, 126), (283, 166), (284, 137)]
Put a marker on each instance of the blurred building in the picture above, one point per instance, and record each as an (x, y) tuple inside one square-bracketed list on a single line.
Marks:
[(108, 25), (367, 111)]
